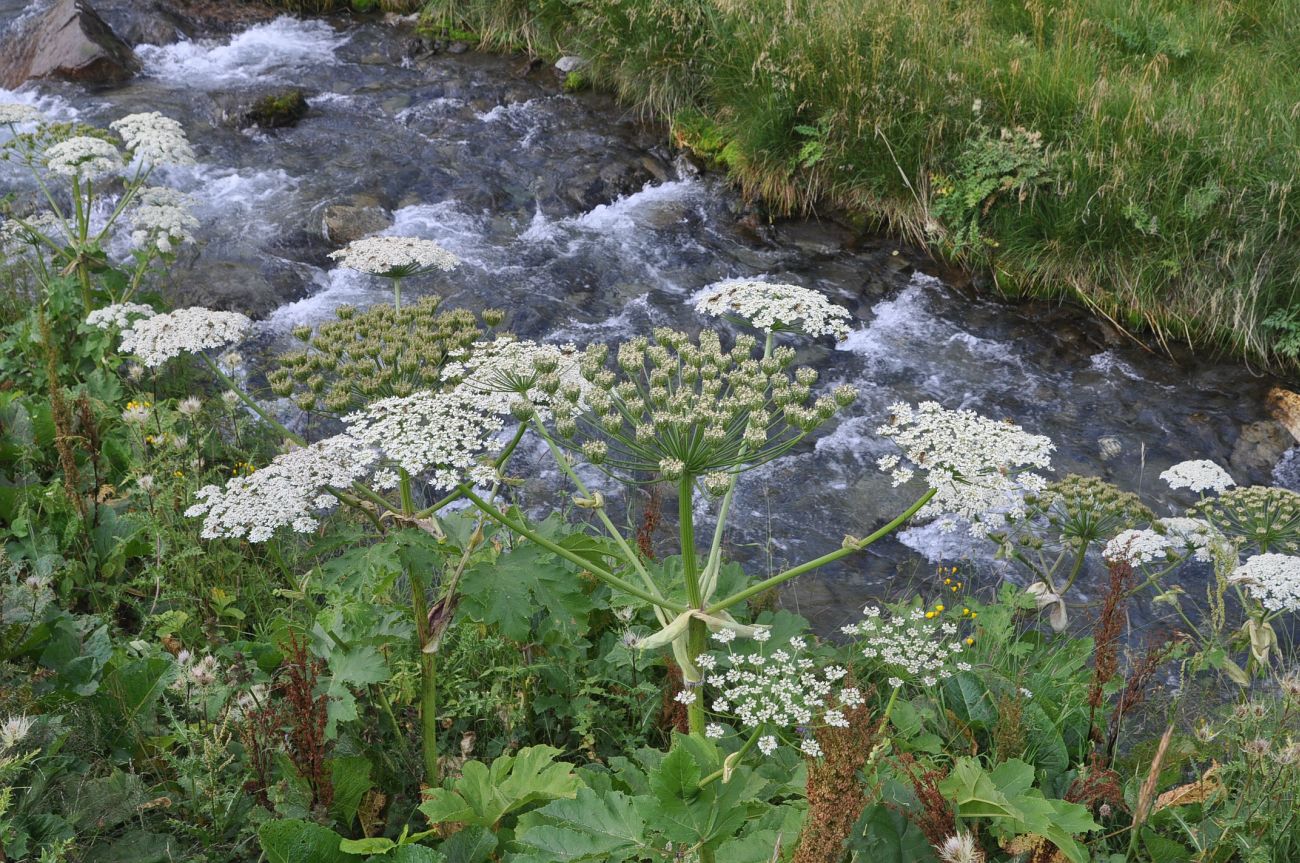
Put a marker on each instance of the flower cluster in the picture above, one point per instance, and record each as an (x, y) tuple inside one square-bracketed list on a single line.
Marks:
[(154, 138), (1083, 509), (1199, 476), (161, 217), (395, 257), (16, 236), (197, 674), (119, 315), (1273, 579), (84, 158), (446, 435), (1136, 547), (682, 409), (917, 647), (778, 690), (377, 353), (1258, 517), (775, 308), (978, 467), (288, 492), (1191, 536), (16, 114), (157, 339), (508, 371)]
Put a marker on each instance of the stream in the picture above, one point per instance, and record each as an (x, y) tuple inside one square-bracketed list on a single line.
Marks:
[(584, 226)]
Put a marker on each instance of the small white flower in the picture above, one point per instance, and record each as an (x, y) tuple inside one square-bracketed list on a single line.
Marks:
[(762, 635), (685, 696), (230, 398), (145, 483), (190, 406), (724, 636), (136, 413), (960, 848), (161, 218), (714, 731), (15, 731), (1199, 475), (767, 744), (811, 748)]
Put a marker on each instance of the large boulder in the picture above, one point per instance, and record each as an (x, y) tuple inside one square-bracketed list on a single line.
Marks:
[(68, 41)]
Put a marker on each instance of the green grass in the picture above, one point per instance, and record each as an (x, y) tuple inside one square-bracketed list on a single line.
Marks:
[(1152, 174)]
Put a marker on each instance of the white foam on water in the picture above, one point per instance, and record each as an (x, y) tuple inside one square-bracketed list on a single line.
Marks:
[(275, 51), (335, 287), (627, 216), (234, 196), (620, 325), (935, 544), (1108, 363)]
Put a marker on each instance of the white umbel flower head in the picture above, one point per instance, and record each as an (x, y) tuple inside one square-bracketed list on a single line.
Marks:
[(780, 689), (1200, 476), (119, 315), (158, 339), (775, 307), (1273, 579), (288, 492), (978, 467), (155, 139), (395, 257), (161, 218), (84, 158), (1194, 536), (445, 435), (1136, 547), (506, 368), (18, 114), (917, 646)]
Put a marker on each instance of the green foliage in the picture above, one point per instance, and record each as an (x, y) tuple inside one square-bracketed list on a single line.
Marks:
[(484, 795)]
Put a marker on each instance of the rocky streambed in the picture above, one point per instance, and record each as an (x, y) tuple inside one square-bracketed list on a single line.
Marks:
[(586, 226)]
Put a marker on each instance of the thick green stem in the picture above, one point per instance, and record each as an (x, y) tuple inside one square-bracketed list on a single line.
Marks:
[(599, 572), (696, 634), (254, 406), (428, 660), (846, 550), (733, 758)]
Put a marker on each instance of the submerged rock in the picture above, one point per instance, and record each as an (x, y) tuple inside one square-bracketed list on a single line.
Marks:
[(278, 110), (359, 216), (1259, 447), (68, 41)]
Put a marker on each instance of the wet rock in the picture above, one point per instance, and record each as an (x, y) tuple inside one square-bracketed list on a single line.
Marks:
[(143, 22), (1284, 406), (69, 41), (353, 219), (457, 47), (1258, 448), (278, 110), (237, 286), (570, 63)]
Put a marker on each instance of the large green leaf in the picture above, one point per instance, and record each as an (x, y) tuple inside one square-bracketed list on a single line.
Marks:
[(884, 834), (130, 692), (469, 845), (525, 581), (350, 776), (294, 841), (974, 792), (970, 700), (590, 827), (483, 795)]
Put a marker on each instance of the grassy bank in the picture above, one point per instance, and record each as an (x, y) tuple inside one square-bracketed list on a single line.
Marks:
[(1138, 154)]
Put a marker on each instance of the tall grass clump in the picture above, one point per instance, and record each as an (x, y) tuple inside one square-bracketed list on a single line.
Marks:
[(1139, 156)]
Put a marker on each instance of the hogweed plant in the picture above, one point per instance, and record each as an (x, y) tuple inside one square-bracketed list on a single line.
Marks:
[(76, 170), (691, 413)]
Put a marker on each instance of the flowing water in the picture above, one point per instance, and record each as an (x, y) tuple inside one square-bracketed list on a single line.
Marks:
[(515, 178)]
